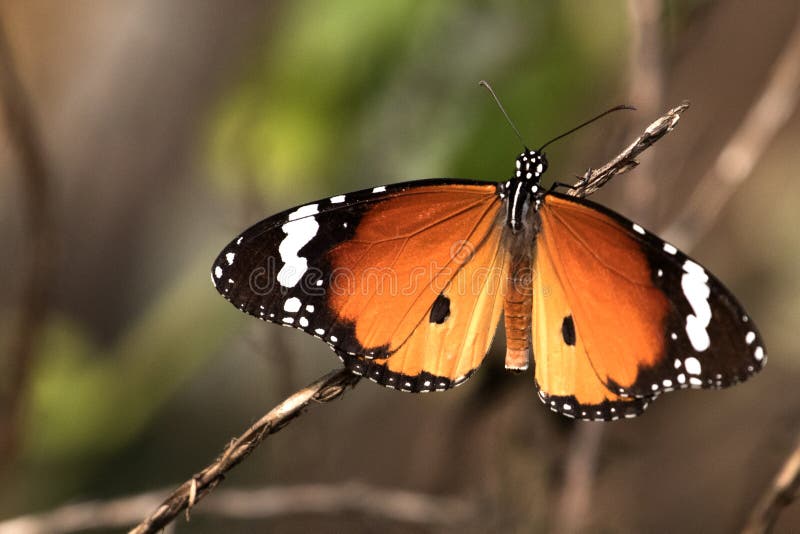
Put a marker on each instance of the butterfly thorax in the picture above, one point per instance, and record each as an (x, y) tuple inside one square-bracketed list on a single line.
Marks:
[(531, 165)]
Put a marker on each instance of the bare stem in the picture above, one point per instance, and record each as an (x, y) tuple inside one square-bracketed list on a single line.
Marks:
[(594, 179), (574, 501), (39, 251), (324, 389), (783, 490), (257, 503)]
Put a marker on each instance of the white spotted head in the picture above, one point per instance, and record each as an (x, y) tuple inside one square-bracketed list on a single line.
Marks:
[(531, 165)]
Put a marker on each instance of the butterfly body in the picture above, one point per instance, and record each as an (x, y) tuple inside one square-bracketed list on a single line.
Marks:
[(407, 283)]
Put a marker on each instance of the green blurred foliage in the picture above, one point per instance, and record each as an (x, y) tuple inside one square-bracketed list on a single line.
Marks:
[(89, 402), (309, 109)]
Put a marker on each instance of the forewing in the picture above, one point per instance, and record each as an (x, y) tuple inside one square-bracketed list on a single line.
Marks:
[(361, 270)]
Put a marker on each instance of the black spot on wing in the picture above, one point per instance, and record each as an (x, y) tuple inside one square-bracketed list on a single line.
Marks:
[(440, 310), (568, 330)]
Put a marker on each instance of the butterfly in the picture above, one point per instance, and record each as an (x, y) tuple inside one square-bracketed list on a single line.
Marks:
[(407, 283)]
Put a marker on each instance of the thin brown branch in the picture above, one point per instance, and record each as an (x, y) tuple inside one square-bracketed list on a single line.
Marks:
[(594, 179), (573, 504), (349, 497), (783, 490), (39, 251), (645, 91), (770, 113), (324, 389)]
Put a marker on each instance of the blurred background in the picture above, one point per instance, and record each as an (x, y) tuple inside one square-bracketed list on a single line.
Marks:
[(139, 137)]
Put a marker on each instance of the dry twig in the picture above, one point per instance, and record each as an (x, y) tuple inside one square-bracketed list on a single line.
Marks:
[(39, 250), (392, 504), (783, 490), (574, 501), (325, 389), (594, 179)]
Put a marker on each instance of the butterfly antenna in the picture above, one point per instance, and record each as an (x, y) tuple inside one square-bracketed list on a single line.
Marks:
[(488, 87), (586, 123)]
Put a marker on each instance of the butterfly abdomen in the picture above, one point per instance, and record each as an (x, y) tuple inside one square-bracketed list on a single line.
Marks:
[(518, 303)]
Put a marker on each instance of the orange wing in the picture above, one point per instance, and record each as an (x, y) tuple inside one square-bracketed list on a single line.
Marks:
[(363, 270), (451, 340), (405, 251), (644, 318), (564, 376)]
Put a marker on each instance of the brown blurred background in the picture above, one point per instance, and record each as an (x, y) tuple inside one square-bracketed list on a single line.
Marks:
[(167, 127)]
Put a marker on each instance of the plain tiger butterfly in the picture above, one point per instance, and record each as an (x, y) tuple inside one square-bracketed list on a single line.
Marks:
[(407, 284)]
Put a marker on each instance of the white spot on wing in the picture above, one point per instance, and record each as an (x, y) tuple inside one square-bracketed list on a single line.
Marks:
[(299, 231), (304, 211), (319, 331), (758, 354), (694, 283), (638, 229), (218, 271), (239, 241), (229, 257), (692, 365), (292, 305), (379, 189), (750, 337), (337, 199), (303, 322), (669, 249)]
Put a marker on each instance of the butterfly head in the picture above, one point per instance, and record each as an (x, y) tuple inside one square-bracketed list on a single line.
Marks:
[(531, 165)]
